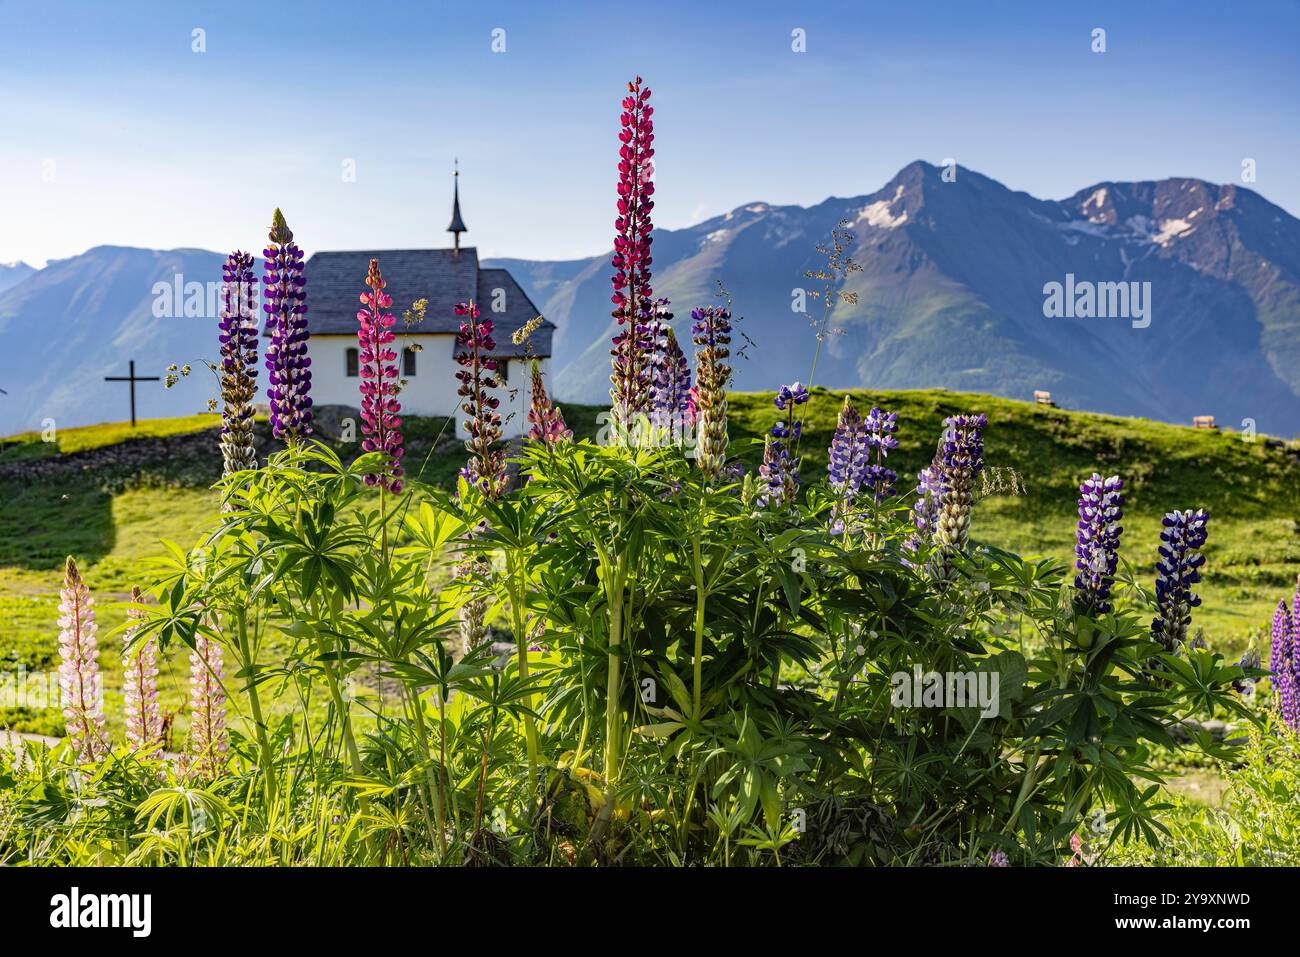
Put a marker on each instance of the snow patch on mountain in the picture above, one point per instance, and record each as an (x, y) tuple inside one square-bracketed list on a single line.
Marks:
[(880, 214), (1097, 200), (1171, 229)]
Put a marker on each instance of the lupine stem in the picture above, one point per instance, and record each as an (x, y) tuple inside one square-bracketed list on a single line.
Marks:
[(249, 667), (518, 589)]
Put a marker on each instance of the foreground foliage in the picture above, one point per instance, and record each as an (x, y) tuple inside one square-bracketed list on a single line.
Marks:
[(689, 678)]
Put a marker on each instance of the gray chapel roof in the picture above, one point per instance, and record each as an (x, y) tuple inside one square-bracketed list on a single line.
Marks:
[(335, 281)]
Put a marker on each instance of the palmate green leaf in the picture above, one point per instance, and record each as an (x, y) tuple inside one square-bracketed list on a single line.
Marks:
[(677, 689)]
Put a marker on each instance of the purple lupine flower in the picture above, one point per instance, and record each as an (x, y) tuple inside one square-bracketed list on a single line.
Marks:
[(546, 418), (377, 362), (711, 333), (779, 475), (477, 377), (1281, 663), (79, 678), (209, 740), (144, 724), (1097, 541), (630, 381), (1249, 659), (796, 393), (961, 459), (1295, 649), (670, 391), (238, 338), (780, 470), (925, 510), (1183, 535), (287, 363), (848, 452), (848, 463), (880, 427), (857, 455)]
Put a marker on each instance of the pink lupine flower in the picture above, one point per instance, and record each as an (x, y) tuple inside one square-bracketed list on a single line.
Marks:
[(144, 726), (378, 366), (633, 306), (209, 740), (546, 418), (79, 678), (477, 377)]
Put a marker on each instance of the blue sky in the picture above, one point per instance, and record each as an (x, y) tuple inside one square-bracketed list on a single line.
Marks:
[(154, 145)]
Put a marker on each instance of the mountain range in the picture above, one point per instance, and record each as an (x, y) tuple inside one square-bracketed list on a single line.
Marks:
[(951, 287), (951, 293), (11, 274)]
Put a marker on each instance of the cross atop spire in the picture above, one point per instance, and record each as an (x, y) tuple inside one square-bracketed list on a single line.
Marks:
[(457, 224)]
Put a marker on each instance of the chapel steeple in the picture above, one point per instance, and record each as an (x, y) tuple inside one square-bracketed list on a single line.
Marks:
[(457, 224)]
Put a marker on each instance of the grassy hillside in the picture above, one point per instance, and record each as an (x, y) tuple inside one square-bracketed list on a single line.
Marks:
[(111, 517), (1251, 488)]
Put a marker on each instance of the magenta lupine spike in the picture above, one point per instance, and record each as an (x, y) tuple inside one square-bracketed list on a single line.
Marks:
[(209, 740), (377, 364), (545, 416), (288, 365), (144, 725), (79, 678), (1281, 663), (238, 338), (1096, 547), (477, 377), (632, 240)]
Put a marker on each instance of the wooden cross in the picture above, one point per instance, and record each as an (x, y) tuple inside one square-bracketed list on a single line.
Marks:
[(133, 379)]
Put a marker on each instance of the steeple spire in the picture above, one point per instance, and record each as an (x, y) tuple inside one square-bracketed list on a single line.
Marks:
[(457, 224)]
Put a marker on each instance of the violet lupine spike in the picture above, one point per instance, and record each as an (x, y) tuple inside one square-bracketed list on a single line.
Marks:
[(1281, 663), (209, 740), (632, 240), (670, 390), (477, 377), (287, 363), (925, 510), (544, 415), (1178, 569), (881, 428), (1096, 549), (381, 421), (79, 679), (711, 333), (961, 460), (144, 724), (780, 470), (847, 465), (1295, 655), (238, 340)]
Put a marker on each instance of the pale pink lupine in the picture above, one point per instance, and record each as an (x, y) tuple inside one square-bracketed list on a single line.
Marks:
[(209, 741), (79, 678), (144, 726)]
